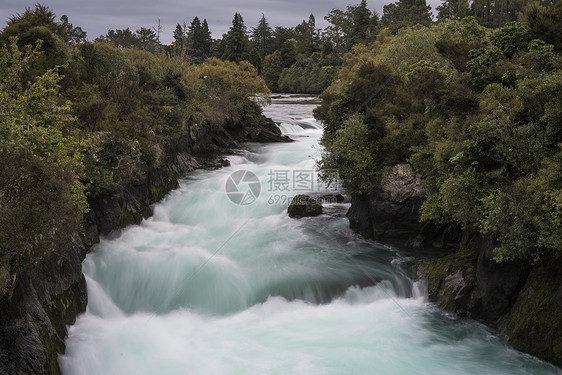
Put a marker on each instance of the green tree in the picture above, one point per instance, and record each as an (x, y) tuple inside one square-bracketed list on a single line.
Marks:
[(280, 35), (405, 13), (340, 26), (361, 19), (236, 41), (180, 37), (453, 10), (272, 68), (307, 36), (39, 24), (196, 42), (34, 119), (262, 37), (289, 52), (255, 59), (545, 22), (123, 38), (147, 39), (25, 25), (75, 33)]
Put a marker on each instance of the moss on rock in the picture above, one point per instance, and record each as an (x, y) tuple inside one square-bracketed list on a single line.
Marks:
[(450, 279), (158, 191), (304, 205), (534, 324)]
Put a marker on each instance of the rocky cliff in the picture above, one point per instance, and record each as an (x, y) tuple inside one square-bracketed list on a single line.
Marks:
[(522, 302), (50, 294)]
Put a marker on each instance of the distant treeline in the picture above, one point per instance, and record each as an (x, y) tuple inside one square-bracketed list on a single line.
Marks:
[(304, 58)]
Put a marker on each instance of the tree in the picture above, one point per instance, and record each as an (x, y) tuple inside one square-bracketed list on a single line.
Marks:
[(194, 40), (289, 52), (124, 38), (272, 68), (75, 33), (147, 39), (22, 25), (338, 30), (545, 23), (453, 10), (255, 59), (280, 35), (307, 36), (361, 20), (262, 37), (206, 41), (39, 24), (236, 41), (357, 24), (199, 42), (180, 37), (404, 13)]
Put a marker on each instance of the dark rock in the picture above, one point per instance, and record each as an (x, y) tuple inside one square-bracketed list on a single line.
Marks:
[(332, 198), (267, 131), (44, 300), (216, 163), (392, 214), (534, 323), (303, 206), (470, 282)]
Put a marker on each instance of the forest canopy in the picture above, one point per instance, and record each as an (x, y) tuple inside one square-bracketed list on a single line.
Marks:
[(476, 111)]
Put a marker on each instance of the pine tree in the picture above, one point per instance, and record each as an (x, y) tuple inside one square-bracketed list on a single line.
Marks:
[(262, 37), (147, 39), (236, 41), (206, 40), (179, 37), (193, 40), (199, 41), (361, 19), (307, 36)]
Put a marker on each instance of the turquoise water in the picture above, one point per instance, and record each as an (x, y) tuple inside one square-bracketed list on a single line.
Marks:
[(207, 286)]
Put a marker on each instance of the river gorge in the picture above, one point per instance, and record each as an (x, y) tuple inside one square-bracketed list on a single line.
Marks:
[(209, 286)]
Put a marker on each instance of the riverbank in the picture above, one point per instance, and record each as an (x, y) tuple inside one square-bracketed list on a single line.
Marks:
[(521, 302), (48, 297)]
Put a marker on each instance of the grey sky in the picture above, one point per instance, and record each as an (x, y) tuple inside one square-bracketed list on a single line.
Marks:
[(98, 16)]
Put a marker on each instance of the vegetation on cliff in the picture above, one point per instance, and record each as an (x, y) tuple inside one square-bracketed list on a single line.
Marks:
[(77, 120), (475, 110)]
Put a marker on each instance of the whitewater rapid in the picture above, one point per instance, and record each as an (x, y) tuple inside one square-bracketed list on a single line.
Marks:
[(207, 286)]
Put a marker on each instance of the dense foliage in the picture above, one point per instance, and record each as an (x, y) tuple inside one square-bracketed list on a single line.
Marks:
[(79, 120), (476, 111)]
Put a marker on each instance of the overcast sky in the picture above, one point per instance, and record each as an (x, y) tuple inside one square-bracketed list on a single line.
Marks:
[(98, 16)]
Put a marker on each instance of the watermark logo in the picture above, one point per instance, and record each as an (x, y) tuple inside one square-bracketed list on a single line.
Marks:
[(243, 187)]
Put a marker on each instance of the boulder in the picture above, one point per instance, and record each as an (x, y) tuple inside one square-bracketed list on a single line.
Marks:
[(303, 206)]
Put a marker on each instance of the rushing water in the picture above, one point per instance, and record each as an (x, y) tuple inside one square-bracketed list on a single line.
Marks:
[(207, 286)]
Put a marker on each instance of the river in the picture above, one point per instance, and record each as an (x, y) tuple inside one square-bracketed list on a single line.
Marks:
[(213, 284)]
